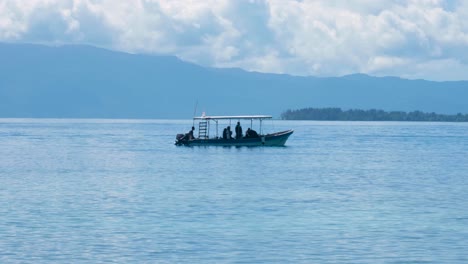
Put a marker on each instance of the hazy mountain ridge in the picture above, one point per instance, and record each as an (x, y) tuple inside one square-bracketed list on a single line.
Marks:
[(88, 82)]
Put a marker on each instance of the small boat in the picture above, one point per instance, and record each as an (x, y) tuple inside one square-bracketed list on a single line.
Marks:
[(250, 138)]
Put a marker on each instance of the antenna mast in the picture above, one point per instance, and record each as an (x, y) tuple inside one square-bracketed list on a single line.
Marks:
[(195, 112)]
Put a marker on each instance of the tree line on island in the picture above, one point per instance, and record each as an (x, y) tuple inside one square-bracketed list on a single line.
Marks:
[(337, 114)]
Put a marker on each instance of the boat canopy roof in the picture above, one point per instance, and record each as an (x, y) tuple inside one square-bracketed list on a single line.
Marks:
[(260, 117)]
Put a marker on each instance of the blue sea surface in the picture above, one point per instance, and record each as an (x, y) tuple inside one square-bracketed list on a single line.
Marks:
[(103, 191)]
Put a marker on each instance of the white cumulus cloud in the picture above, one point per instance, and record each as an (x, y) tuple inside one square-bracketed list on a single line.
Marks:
[(413, 39)]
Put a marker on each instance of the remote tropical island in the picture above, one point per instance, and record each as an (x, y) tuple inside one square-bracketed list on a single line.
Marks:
[(337, 114)]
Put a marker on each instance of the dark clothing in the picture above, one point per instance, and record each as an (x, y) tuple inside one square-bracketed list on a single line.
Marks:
[(238, 131), (190, 135), (251, 133), (229, 133)]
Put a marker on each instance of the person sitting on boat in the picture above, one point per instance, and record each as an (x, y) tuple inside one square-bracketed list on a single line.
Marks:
[(189, 135), (253, 133), (225, 133), (238, 131), (229, 132), (250, 133)]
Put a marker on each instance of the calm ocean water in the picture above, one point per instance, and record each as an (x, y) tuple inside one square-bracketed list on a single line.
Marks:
[(93, 191)]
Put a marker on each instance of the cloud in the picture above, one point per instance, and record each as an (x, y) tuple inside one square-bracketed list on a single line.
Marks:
[(414, 39)]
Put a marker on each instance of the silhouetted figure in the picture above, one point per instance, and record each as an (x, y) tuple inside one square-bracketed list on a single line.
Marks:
[(238, 131), (189, 135), (253, 133), (229, 132), (250, 133), (225, 133)]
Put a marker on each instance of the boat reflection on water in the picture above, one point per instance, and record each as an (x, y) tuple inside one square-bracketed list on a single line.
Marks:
[(250, 138)]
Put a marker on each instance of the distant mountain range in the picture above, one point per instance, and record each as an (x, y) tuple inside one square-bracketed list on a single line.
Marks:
[(89, 82)]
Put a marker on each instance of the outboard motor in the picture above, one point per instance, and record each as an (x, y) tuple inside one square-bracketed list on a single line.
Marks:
[(179, 139)]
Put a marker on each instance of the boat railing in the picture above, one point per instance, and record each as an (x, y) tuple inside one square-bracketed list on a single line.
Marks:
[(204, 123)]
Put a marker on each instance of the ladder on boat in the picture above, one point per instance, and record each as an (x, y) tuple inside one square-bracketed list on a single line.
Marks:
[(203, 130)]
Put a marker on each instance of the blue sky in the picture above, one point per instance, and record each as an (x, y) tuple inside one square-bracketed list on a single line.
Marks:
[(413, 39)]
